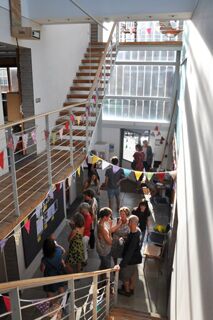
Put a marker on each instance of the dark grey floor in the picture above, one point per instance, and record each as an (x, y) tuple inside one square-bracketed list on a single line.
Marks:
[(151, 290)]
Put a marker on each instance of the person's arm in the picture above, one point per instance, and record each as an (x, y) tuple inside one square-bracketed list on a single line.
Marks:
[(116, 227), (106, 180)]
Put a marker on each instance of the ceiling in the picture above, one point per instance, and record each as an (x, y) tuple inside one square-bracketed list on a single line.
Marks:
[(64, 11)]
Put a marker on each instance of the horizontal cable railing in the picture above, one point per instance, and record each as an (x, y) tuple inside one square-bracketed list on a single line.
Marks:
[(38, 152), (85, 296)]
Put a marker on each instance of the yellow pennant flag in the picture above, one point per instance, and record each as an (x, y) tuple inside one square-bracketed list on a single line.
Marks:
[(79, 171), (95, 159), (53, 136), (78, 119), (138, 174), (149, 175)]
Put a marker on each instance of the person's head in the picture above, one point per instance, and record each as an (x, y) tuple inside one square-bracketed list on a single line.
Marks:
[(78, 220), (105, 213), (138, 147), (84, 208), (145, 143), (49, 248), (133, 222), (143, 205), (124, 213), (88, 194), (114, 160), (93, 177)]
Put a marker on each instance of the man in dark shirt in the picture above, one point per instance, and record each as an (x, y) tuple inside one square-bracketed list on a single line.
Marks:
[(131, 257), (113, 176)]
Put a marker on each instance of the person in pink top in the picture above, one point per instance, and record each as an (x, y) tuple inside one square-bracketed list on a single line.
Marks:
[(84, 209), (138, 156)]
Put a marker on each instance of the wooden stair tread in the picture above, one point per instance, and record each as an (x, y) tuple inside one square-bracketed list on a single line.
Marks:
[(89, 74), (129, 314), (85, 81)]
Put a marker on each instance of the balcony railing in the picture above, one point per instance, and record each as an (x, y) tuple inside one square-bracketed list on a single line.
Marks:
[(87, 296), (38, 152)]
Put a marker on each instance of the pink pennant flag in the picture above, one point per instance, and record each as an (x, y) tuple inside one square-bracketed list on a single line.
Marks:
[(27, 226), (115, 169), (61, 133), (72, 118), (2, 243), (33, 136), (94, 98), (58, 186), (2, 159), (149, 30), (46, 134), (67, 126), (10, 143)]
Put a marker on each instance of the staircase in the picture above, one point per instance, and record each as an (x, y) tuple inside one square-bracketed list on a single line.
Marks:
[(129, 314), (79, 93)]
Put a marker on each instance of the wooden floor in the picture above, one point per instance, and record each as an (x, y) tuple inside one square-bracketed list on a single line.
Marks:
[(32, 182), (129, 314)]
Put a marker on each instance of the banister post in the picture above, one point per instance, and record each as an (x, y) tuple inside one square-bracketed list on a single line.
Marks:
[(95, 296), (71, 300), (116, 287), (107, 293), (87, 126), (47, 137), (71, 139), (13, 176), (15, 304)]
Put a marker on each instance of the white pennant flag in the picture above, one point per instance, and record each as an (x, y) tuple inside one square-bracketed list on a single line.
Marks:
[(25, 140), (69, 180), (64, 300), (105, 164), (15, 140), (61, 133), (78, 313)]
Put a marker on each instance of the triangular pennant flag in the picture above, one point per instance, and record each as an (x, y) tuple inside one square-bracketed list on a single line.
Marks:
[(58, 186), (7, 303), (78, 313), (53, 137), (72, 118), (10, 143), (61, 133), (51, 194), (149, 175), (160, 176), (78, 119), (46, 134), (2, 159), (95, 159), (105, 164), (94, 98), (15, 140), (25, 140), (137, 174), (79, 171), (173, 174), (33, 136), (149, 30), (69, 180), (2, 244), (27, 226), (67, 126), (115, 169), (127, 172), (64, 300)]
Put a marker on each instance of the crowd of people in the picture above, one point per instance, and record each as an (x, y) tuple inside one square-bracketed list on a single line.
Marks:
[(117, 240)]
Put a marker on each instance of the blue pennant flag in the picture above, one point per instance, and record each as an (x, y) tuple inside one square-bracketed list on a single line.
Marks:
[(127, 172)]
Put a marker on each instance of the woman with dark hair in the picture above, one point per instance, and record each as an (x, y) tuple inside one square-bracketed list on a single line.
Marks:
[(143, 213), (138, 156), (52, 264)]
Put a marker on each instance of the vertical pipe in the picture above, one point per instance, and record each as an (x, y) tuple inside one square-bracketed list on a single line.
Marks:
[(71, 300), (107, 293), (15, 304), (49, 166), (13, 175), (94, 297), (71, 140)]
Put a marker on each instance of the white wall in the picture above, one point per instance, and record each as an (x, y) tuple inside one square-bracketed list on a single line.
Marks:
[(55, 61), (192, 278)]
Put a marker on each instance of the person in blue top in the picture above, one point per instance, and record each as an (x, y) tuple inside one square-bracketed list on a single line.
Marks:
[(52, 264)]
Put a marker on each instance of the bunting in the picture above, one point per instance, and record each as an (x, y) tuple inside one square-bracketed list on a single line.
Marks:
[(127, 172), (105, 164), (161, 176), (149, 175), (51, 194), (78, 119), (25, 140), (61, 133), (10, 143), (67, 126), (138, 175), (95, 159), (115, 169), (72, 119), (7, 303), (3, 243), (53, 137), (79, 171), (149, 30), (69, 180), (2, 159), (27, 226), (33, 136), (15, 140), (58, 186)]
